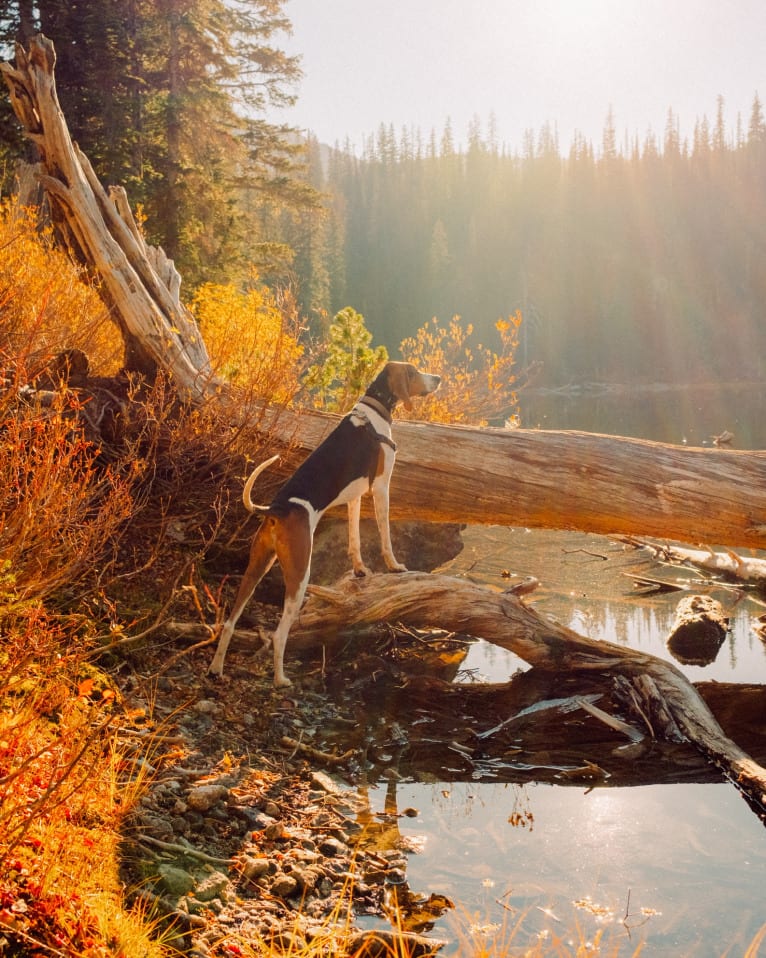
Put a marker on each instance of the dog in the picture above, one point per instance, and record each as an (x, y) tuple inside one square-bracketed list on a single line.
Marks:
[(357, 457)]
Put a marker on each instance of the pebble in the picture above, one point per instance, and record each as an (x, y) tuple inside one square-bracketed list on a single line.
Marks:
[(284, 885), (175, 882), (288, 832), (214, 886), (332, 847), (203, 797), (253, 868)]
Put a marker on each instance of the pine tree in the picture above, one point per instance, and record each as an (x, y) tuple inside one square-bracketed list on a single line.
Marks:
[(164, 97)]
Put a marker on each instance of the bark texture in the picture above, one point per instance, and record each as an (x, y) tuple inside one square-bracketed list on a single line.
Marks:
[(564, 480), (141, 285)]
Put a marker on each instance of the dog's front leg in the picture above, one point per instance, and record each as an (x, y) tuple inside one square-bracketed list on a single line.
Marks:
[(354, 537), (380, 498)]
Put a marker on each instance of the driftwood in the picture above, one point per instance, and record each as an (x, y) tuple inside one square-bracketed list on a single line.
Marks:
[(698, 631), (664, 699), (723, 563), (138, 281)]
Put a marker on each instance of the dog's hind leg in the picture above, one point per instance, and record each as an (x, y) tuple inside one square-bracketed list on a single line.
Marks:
[(262, 556), (294, 554)]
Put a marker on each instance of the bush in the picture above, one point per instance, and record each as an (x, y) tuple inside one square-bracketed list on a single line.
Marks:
[(46, 302), (477, 382), (252, 339), (63, 507)]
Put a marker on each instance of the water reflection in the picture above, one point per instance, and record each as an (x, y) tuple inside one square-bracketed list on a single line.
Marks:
[(664, 865), (686, 415), (585, 583), (678, 869)]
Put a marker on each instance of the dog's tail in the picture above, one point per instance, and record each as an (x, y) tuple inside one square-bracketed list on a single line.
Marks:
[(249, 504)]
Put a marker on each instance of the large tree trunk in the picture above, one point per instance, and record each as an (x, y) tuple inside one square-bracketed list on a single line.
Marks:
[(564, 480), (139, 282)]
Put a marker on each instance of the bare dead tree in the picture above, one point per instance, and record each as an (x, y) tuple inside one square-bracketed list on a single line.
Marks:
[(138, 281)]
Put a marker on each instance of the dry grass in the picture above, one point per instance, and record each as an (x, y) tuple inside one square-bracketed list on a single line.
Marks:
[(62, 509)]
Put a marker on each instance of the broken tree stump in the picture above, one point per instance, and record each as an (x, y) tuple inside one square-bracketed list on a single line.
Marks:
[(139, 282), (698, 631)]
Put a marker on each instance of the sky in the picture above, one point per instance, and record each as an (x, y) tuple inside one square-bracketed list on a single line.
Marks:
[(521, 64)]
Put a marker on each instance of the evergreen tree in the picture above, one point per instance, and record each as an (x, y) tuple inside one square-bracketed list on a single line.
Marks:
[(165, 97), (633, 264)]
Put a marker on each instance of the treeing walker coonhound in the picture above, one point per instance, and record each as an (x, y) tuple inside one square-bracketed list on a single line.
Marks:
[(357, 457)]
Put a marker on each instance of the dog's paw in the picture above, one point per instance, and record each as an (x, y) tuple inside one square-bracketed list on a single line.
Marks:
[(282, 682), (397, 567), (361, 571)]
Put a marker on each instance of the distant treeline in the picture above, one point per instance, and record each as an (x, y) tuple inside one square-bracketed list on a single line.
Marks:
[(629, 261), (638, 263)]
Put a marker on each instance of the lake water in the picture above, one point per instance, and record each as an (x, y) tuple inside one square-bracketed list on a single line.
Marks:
[(671, 870)]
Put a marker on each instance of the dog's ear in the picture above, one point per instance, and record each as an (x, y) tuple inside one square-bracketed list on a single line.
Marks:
[(399, 382)]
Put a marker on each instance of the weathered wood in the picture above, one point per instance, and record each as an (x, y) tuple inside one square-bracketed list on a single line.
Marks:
[(724, 563), (698, 630), (758, 627), (140, 283), (421, 600), (563, 480)]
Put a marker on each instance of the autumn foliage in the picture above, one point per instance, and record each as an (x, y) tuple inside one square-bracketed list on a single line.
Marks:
[(62, 511), (80, 516), (478, 382)]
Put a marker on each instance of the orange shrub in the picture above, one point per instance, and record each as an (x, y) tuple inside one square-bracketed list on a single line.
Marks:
[(477, 382), (252, 338), (46, 302), (59, 506)]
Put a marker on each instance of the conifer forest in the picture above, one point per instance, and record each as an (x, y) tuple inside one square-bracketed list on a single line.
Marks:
[(632, 260)]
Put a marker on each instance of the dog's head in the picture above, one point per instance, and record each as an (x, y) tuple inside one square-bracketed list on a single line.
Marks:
[(406, 381)]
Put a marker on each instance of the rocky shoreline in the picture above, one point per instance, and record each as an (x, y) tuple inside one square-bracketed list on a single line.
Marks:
[(239, 842)]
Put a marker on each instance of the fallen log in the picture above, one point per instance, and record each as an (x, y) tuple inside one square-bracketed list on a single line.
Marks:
[(698, 630), (727, 563), (607, 485), (663, 697), (564, 480)]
